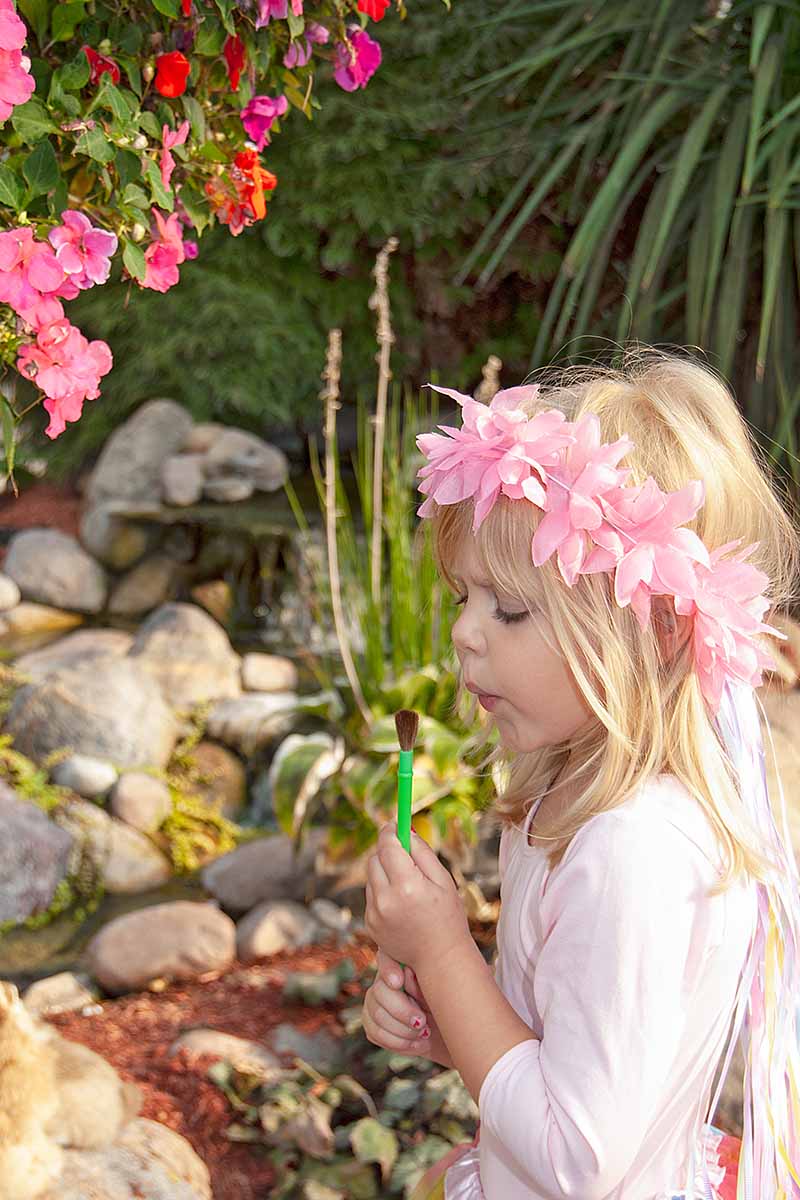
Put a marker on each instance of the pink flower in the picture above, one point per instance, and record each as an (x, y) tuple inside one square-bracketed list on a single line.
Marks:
[(260, 115), (298, 54), (67, 368), (190, 250), (30, 276), (16, 83), (164, 254), (316, 33), (276, 10), (586, 473), (83, 252), (357, 60), (498, 449), (170, 140)]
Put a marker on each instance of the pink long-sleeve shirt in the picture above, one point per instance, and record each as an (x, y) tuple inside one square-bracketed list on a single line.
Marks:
[(626, 972)]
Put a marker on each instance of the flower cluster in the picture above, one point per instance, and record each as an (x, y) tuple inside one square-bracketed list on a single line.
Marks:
[(594, 520), (238, 198), (16, 81)]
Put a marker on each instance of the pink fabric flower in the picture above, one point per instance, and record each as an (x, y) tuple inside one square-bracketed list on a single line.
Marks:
[(498, 449), (30, 275), (67, 368), (357, 60), (16, 83), (82, 251), (586, 473), (171, 139), (276, 10), (260, 115), (164, 254)]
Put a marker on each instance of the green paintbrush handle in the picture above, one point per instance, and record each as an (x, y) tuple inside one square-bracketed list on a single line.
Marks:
[(404, 777)]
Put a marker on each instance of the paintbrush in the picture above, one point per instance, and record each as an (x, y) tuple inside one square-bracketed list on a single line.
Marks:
[(407, 723)]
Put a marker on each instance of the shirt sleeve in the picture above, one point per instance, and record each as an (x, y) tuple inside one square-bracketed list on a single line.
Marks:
[(617, 918)]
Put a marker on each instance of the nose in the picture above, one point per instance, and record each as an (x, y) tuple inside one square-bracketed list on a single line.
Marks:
[(466, 633)]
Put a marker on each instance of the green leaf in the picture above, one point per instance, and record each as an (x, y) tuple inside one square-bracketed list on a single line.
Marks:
[(726, 187), (37, 14), (12, 192), (197, 207), (133, 194), (9, 440), (150, 125), (225, 8), (32, 121), (299, 767), (371, 1142), (41, 169), (58, 199), (766, 74), (194, 113), (170, 8), (74, 74), (133, 260), (65, 19), (162, 196), (129, 167), (761, 23), (210, 38), (109, 96), (95, 144), (296, 24)]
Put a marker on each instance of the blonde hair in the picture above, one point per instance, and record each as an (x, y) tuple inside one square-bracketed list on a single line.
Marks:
[(651, 716)]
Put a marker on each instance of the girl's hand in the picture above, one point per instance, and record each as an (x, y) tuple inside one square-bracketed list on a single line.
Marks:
[(398, 1020), (414, 912)]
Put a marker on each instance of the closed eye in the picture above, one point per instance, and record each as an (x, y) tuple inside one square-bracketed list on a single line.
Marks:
[(510, 618)]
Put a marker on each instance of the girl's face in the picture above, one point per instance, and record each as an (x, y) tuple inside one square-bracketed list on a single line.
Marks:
[(508, 660)]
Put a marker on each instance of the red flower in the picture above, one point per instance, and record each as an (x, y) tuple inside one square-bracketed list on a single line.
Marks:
[(99, 65), (373, 8), (254, 183), (172, 71), (236, 57), (186, 5), (238, 199)]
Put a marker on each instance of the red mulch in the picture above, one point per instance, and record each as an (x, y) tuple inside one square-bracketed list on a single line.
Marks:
[(56, 506), (135, 1032)]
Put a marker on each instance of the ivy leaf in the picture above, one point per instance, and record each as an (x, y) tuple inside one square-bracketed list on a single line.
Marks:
[(65, 19), (11, 189), (96, 145), (41, 169), (133, 259), (371, 1142), (32, 121), (162, 196)]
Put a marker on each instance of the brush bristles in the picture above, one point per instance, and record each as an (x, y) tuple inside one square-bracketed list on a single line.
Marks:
[(406, 723)]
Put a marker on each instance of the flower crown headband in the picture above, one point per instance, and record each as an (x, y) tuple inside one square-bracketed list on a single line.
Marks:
[(595, 521)]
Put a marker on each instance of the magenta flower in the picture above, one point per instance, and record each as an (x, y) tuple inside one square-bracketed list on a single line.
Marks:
[(30, 276), (82, 251), (357, 60), (171, 139), (298, 54), (164, 254), (16, 83), (276, 10), (260, 115), (499, 449), (316, 33), (67, 368)]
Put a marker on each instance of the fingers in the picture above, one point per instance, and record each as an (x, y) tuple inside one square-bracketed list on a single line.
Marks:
[(391, 1021), (395, 858), (389, 969)]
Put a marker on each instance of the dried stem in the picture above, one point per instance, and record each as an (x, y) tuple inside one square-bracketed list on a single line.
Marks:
[(380, 300), (330, 395)]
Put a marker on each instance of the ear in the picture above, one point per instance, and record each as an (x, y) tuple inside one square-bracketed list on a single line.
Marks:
[(8, 996), (671, 629)]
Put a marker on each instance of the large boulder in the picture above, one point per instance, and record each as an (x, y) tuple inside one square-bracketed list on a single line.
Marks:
[(188, 654), (35, 855), (128, 860), (129, 466), (108, 708), (53, 568), (76, 649), (237, 454), (9, 593), (110, 538), (150, 583), (267, 869), (178, 940)]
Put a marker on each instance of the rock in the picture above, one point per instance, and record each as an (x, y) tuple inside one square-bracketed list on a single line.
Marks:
[(150, 583), (141, 801), (241, 1053), (59, 993), (266, 869), (73, 650), (335, 917), (203, 436), (109, 708), (158, 1143), (35, 855), (216, 597), (112, 539), (268, 673), (221, 782), (51, 567), (245, 456), (182, 479), (129, 861), (249, 722), (188, 654), (10, 595), (178, 940), (228, 489), (89, 777), (273, 926), (322, 1050), (38, 618), (129, 467)]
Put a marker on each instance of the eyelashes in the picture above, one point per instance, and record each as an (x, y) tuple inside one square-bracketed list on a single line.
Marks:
[(506, 618)]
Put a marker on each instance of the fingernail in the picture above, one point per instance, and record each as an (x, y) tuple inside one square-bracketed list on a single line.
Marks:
[(426, 1033), (395, 980), (417, 1021)]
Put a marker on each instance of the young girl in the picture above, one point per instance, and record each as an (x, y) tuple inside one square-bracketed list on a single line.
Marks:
[(610, 536)]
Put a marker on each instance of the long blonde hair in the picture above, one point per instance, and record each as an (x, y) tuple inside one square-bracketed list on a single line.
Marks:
[(650, 714)]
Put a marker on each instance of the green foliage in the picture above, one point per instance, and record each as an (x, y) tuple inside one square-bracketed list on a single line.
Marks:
[(368, 1131)]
